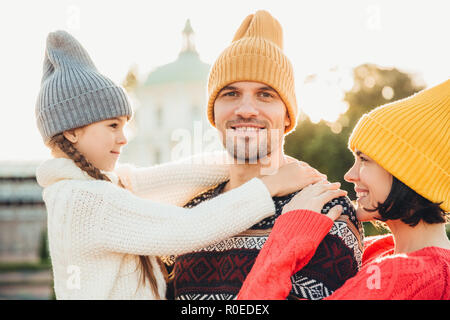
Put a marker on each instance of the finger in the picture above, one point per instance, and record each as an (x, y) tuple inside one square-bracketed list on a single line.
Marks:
[(318, 174), (324, 186), (291, 159), (335, 212), (330, 195), (303, 164), (312, 181), (315, 171), (318, 188)]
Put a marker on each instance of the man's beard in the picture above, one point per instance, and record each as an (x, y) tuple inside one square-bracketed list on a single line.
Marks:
[(250, 150), (246, 150)]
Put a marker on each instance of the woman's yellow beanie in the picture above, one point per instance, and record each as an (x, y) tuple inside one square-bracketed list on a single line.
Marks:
[(255, 54), (410, 139)]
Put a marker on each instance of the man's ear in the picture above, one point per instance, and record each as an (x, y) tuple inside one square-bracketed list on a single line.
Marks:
[(71, 135), (287, 120)]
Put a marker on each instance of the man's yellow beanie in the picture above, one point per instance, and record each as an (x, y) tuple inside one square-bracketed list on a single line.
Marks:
[(255, 54), (410, 139)]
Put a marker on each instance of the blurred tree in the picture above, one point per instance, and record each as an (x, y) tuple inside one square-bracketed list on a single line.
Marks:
[(375, 86), (44, 254), (326, 150), (324, 147)]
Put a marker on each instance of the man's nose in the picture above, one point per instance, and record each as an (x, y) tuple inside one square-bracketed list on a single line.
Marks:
[(246, 108)]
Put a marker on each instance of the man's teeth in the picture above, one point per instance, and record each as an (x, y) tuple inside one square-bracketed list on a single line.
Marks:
[(361, 194), (247, 129)]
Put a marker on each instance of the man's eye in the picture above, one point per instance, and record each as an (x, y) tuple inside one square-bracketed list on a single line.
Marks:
[(230, 94), (265, 94)]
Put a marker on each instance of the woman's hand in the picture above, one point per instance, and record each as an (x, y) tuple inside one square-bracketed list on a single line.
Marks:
[(315, 196), (291, 177)]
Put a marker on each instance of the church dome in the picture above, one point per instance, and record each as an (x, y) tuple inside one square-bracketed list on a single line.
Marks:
[(187, 68)]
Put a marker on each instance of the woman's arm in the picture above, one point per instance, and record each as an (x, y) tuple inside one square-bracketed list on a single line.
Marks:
[(113, 219), (176, 182), (290, 246)]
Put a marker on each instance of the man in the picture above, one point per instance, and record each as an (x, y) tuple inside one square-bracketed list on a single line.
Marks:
[(252, 104)]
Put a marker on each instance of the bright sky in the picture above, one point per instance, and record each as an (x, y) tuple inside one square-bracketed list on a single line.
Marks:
[(318, 35)]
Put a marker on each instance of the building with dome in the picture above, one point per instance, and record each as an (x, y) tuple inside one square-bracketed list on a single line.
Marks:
[(170, 110), (170, 119), (22, 213)]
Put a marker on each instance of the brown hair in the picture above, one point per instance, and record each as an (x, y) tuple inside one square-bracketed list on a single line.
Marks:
[(69, 149), (410, 207)]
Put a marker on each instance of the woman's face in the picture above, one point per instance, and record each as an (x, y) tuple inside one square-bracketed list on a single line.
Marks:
[(372, 185), (100, 142)]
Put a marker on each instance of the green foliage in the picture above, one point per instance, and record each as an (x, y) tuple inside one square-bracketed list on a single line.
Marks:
[(373, 229), (44, 254), (24, 266)]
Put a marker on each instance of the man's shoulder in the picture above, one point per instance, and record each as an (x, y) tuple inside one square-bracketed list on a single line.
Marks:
[(206, 195), (348, 209)]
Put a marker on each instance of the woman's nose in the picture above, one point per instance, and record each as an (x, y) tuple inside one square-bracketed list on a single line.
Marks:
[(352, 174)]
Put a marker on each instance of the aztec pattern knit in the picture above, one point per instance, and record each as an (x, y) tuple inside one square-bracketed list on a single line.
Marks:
[(421, 274), (218, 271)]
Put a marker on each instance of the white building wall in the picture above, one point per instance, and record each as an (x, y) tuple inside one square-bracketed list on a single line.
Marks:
[(165, 112)]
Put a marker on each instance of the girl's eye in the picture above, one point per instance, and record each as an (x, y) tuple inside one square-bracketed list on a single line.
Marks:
[(363, 159), (114, 125)]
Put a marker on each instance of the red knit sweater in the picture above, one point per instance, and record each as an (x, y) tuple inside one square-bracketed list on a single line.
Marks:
[(422, 274)]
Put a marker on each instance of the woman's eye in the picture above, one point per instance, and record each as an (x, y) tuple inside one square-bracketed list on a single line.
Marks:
[(114, 125), (363, 159)]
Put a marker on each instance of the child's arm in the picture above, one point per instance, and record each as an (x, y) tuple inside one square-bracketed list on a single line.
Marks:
[(115, 220), (176, 182)]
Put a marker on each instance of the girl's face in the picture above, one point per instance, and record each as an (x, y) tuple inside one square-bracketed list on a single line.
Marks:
[(100, 142), (372, 185)]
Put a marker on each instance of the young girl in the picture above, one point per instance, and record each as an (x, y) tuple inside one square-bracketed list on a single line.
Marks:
[(100, 234), (402, 177)]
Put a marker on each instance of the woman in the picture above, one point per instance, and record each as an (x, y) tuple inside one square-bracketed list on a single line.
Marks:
[(402, 177)]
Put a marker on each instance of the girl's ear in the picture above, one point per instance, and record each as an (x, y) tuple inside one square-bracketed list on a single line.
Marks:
[(71, 135)]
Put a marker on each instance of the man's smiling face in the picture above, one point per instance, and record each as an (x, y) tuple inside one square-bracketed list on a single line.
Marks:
[(251, 118)]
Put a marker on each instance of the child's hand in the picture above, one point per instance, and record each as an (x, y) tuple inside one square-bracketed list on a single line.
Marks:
[(290, 178), (315, 196)]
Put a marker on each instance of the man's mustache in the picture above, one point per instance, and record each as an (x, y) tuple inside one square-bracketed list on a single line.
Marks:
[(231, 123)]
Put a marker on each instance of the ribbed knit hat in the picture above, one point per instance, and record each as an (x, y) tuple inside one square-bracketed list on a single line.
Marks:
[(255, 54), (410, 139), (73, 93)]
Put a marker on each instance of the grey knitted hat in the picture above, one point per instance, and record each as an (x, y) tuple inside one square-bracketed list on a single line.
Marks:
[(73, 93)]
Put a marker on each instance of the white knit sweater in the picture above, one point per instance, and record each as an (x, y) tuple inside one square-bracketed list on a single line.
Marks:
[(96, 229)]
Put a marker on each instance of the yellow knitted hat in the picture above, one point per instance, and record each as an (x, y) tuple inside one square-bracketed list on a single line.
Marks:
[(255, 54), (410, 139)]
